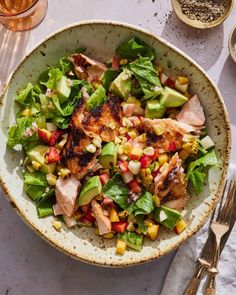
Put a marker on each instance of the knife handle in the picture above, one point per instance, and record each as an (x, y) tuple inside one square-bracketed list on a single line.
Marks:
[(210, 291), (192, 286), (195, 282)]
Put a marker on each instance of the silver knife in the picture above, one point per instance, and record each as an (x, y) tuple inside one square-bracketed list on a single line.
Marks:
[(206, 257)]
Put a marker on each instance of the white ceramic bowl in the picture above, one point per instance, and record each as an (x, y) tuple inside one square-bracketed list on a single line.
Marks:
[(101, 39)]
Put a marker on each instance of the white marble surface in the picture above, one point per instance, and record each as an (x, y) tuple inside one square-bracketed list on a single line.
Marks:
[(27, 264)]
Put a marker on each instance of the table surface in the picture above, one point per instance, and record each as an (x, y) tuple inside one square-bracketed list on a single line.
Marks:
[(28, 265)]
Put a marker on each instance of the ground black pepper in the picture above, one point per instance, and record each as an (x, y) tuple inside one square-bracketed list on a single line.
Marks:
[(203, 10)]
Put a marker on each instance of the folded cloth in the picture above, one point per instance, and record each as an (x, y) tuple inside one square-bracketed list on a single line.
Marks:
[(183, 266)]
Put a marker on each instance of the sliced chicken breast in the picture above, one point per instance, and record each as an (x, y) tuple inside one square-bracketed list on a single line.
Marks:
[(104, 224)]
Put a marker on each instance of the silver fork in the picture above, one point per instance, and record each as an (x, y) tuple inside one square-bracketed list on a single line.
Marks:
[(220, 228), (205, 260)]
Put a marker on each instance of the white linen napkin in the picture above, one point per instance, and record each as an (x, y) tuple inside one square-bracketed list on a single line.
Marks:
[(183, 266)]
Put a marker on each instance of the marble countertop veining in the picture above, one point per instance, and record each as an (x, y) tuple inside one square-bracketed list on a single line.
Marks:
[(30, 266)]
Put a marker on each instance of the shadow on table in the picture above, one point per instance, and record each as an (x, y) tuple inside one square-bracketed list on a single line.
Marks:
[(203, 45), (12, 49), (226, 81)]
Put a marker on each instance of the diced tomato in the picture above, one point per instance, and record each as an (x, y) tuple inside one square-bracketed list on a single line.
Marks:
[(154, 173), (115, 62), (155, 156), (84, 220), (53, 155), (89, 216), (86, 208), (136, 153), (44, 134), (120, 226), (123, 166), (104, 178), (134, 186), (145, 161), (170, 83), (56, 134), (172, 147)]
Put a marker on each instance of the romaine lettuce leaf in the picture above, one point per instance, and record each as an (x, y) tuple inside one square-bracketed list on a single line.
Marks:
[(97, 98), (109, 76), (141, 224), (133, 240), (146, 75), (36, 178), (144, 205), (45, 208), (197, 179), (117, 191), (53, 76), (23, 94), (135, 48)]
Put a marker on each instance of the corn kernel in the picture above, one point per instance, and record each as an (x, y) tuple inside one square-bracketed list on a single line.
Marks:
[(153, 231), (126, 122), (64, 172), (159, 69), (30, 168), (112, 125), (183, 154), (156, 166), (134, 100), (36, 165), (121, 247), (133, 133), (164, 167), (148, 222), (57, 225), (91, 148), (142, 138), (123, 61), (123, 130), (162, 159), (51, 179), (95, 84), (182, 80), (26, 113), (123, 157), (120, 150), (127, 147), (113, 216), (108, 236), (130, 227), (158, 129), (138, 230), (149, 151), (117, 140), (156, 200)]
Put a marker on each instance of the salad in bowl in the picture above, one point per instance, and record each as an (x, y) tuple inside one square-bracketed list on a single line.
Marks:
[(118, 145)]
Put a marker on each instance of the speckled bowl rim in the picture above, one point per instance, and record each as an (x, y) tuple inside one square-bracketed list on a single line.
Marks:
[(217, 195), (230, 45)]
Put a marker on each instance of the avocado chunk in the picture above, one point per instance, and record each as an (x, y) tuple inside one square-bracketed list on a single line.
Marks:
[(37, 154), (172, 216), (154, 109), (63, 89), (108, 157), (89, 190), (122, 84), (172, 98)]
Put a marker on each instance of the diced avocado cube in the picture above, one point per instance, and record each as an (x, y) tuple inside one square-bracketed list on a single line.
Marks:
[(108, 157), (38, 154), (89, 190), (63, 89), (154, 109), (172, 216), (122, 84), (171, 98)]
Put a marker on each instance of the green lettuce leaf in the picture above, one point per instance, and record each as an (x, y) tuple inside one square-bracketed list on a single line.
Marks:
[(146, 75), (133, 240), (135, 48), (197, 179), (109, 76), (141, 224), (36, 178), (144, 205), (97, 98), (45, 208), (22, 96), (53, 76), (117, 191)]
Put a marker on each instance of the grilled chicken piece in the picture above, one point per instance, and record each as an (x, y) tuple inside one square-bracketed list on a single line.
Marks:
[(66, 195), (170, 185), (104, 121), (192, 113), (87, 68), (77, 160), (173, 132), (104, 224)]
